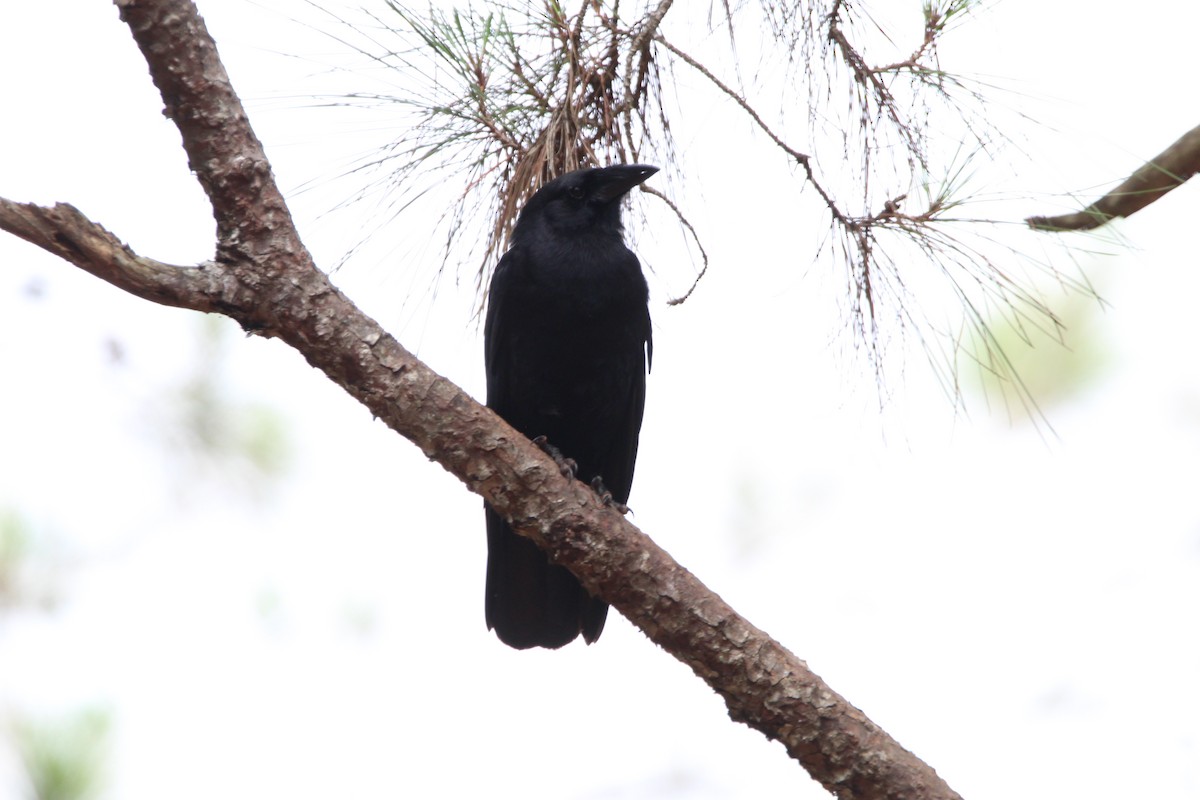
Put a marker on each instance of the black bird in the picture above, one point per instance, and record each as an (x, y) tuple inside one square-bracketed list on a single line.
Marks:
[(567, 348)]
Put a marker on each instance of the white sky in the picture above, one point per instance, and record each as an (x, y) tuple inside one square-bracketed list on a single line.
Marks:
[(1017, 609)]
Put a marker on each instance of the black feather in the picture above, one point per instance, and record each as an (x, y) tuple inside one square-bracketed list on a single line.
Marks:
[(566, 347)]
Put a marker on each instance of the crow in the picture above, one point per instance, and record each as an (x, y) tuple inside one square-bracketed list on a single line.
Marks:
[(566, 348)]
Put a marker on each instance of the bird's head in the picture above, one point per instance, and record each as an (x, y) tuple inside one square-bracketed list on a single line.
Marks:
[(587, 200)]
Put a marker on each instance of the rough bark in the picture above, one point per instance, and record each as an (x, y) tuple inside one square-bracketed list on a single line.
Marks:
[(265, 279), (1169, 169)]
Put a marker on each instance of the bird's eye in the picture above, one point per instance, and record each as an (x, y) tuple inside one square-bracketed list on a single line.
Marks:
[(576, 192)]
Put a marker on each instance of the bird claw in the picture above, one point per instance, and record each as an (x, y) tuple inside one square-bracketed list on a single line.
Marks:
[(606, 497), (569, 468), (566, 466)]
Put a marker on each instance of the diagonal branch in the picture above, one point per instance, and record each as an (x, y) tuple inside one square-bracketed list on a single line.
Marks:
[(265, 279), (764, 685), (68, 234), (223, 152), (802, 159), (1169, 169)]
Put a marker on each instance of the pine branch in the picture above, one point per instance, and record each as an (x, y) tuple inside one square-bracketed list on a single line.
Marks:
[(1169, 169), (265, 279)]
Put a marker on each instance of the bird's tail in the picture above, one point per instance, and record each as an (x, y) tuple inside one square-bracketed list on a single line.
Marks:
[(531, 602)]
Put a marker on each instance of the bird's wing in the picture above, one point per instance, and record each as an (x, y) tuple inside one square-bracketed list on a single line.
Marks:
[(618, 471), (494, 332)]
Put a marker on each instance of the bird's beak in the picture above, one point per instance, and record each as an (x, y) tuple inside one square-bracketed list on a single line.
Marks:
[(614, 182)]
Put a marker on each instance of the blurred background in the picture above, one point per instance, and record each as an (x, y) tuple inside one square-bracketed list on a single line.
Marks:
[(220, 577)]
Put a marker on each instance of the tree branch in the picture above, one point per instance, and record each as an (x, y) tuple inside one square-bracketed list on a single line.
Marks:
[(68, 234), (265, 279), (802, 159), (1169, 169)]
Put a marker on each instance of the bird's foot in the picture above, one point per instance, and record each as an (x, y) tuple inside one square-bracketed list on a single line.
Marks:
[(566, 466), (606, 497)]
